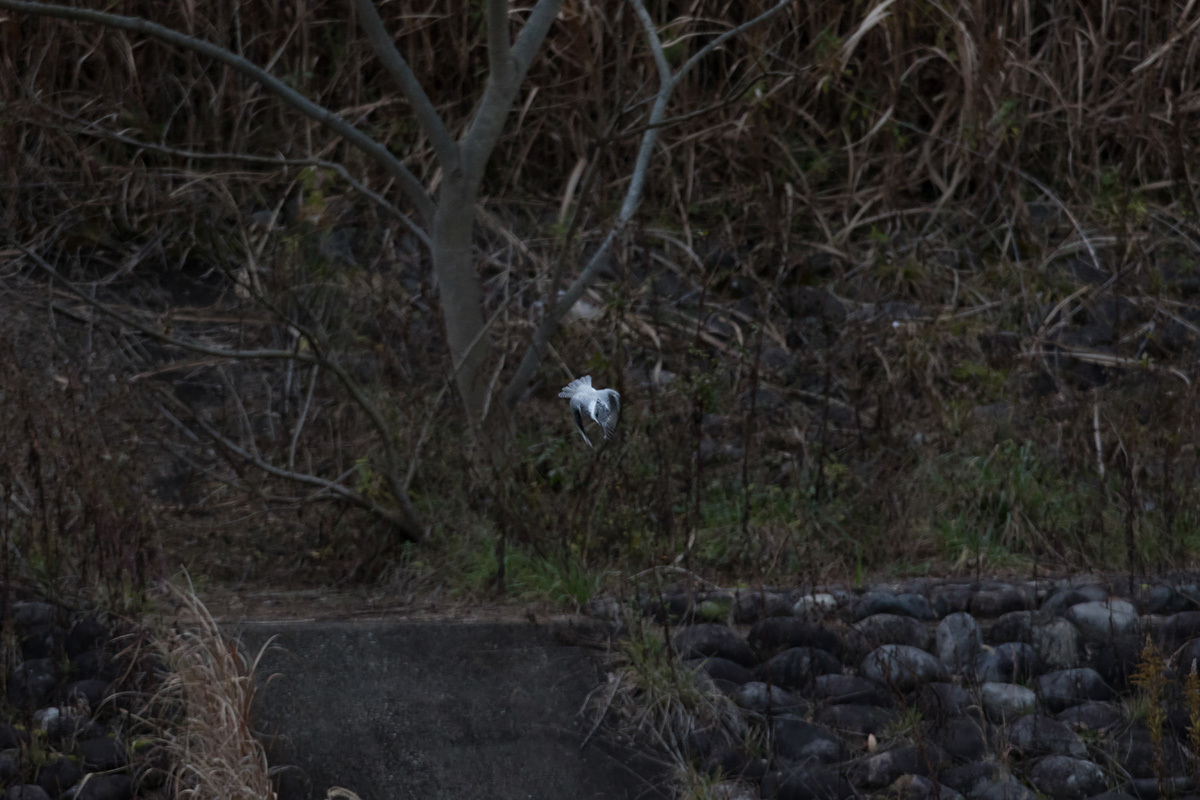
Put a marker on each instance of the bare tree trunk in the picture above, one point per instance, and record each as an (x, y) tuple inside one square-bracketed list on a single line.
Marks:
[(463, 165), (460, 291)]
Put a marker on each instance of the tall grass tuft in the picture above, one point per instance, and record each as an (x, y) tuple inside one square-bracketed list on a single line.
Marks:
[(652, 697), (209, 740)]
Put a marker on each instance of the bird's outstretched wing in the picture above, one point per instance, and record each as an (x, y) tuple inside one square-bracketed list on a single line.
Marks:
[(572, 388), (612, 410), (579, 424)]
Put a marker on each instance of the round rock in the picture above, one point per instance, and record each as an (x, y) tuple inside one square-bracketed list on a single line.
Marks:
[(1104, 621), (772, 636), (1060, 601), (710, 639), (815, 606), (951, 599), (751, 606), (726, 673), (85, 634), (1069, 687), (58, 775), (883, 768), (1005, 663), (1091, 715), (963, 778), (902, 666), (1015, 626), (834, 689), (1006, 701), (795, 740), (1058, 644), (858, 720), (1067, 778), (757, 697), (32, 683), (918, 787), (958, 641), (1117, 661), (90, 691), (42, 641), (798, 667), (1038, 735), (905, 605), (1163, 600), (965, 739), (939, 701), (997, 600), (806, 783), (12, 738), (29, 615), (1178, 628), (94, 663), (64, 728), (893, 629), (1008, 789)]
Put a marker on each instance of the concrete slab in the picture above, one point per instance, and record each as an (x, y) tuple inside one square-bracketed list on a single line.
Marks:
[(435, 710)]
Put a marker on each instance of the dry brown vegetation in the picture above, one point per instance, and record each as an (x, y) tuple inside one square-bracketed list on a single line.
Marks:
[(212, 748), (917, 281)]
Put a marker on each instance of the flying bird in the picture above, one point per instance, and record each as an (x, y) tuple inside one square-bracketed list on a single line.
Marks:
[(602, 405)]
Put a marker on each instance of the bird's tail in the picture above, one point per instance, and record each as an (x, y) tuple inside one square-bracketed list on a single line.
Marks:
[(572, 388)]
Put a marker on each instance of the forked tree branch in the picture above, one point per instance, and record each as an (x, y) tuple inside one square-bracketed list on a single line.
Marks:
[(427, 117), (502, 85), (633, 195), (409, 183)]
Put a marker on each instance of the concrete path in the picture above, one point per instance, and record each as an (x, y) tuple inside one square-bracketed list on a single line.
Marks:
[(432, 710)]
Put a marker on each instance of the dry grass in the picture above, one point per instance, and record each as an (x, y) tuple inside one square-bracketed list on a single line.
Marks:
[(845, 119), (209, 742), (983, 186)]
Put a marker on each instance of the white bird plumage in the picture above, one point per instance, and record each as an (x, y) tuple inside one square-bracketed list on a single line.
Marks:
[(602, 405)]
